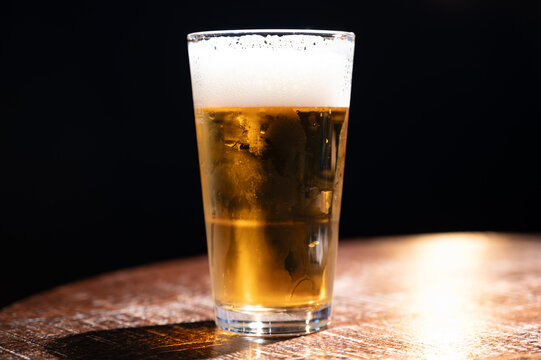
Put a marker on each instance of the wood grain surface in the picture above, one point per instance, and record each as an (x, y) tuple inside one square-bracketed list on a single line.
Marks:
[(440, 296)]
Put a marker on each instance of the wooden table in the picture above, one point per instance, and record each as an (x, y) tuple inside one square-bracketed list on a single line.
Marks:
[(440, 296)]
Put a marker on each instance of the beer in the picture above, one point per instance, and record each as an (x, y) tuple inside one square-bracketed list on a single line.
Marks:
[(272, 179), (271, 110)]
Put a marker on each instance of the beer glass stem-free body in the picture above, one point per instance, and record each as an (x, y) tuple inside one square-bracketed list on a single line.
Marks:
[(272, 186)]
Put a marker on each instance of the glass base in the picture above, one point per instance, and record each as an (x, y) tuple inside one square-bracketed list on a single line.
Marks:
[(273, 321)]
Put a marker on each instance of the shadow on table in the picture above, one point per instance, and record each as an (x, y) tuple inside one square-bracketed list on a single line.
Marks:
[(198, 340)]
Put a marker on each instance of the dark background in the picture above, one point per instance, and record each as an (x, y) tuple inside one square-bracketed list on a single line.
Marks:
[(99, 162)]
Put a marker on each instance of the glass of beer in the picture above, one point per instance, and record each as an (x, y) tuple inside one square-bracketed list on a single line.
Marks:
[(271, 114)]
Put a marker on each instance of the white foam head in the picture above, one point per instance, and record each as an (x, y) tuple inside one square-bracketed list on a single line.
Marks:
[(271, 68)]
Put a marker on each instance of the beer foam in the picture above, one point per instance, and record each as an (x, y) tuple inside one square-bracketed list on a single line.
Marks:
[(271, 70)]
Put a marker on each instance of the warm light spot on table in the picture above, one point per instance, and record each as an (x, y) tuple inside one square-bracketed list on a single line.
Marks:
[(445, 274)]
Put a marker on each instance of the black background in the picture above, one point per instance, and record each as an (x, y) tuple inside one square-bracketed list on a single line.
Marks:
[(99, 162)]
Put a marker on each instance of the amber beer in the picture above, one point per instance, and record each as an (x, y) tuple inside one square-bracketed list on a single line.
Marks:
[(271, 173), (272, 182)]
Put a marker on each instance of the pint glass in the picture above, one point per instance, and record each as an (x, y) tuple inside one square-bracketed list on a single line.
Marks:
[(271, 113)]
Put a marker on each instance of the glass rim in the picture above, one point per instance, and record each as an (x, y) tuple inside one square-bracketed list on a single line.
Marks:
[(334, 34)]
